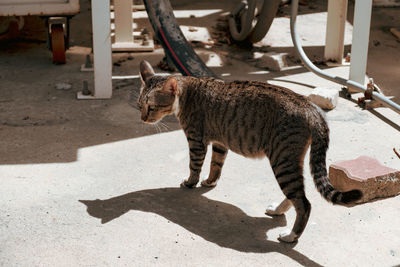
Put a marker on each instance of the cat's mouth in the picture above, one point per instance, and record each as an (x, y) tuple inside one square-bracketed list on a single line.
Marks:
[(150, 121)]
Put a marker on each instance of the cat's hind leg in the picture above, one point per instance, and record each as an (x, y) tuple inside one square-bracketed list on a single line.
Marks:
[(303, 209), (289, 174), (276, 209), (287, 157), (292, 185), (217, 161)]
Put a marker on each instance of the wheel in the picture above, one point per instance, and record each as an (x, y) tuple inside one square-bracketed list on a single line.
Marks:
[(10, 27), (58, 43)]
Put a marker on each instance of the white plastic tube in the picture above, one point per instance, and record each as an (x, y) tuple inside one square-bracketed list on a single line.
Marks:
[(311, 67)]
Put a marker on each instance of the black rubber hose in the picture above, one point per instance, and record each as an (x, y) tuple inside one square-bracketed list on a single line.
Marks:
[(242, 32), (265, 19), (173, 41)]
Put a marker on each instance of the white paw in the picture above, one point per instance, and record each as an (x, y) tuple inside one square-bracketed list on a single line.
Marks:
[(272, 210), (287, 236), (186, 184), (206, 184)]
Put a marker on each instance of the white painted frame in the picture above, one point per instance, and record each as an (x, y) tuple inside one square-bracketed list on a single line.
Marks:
[(102, 43), (39, 7), (359, 47), (124, 29), (102, 57), (123, 24), (337, 12)]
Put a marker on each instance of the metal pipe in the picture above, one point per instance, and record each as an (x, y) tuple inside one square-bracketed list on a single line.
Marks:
[(311, 67)]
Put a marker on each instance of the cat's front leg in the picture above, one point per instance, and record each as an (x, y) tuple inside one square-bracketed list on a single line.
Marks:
[(217, 161), (198, 152)]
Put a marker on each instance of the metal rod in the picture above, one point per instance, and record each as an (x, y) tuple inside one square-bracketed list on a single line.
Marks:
[(311, 67)]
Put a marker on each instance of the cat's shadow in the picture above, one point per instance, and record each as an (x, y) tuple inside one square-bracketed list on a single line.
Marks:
[(221, 223)]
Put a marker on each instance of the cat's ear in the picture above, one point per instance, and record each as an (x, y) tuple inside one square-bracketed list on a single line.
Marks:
[(146, 71), (171, 86)]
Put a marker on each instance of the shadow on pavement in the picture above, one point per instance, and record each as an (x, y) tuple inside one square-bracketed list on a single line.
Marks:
[(221, 223)]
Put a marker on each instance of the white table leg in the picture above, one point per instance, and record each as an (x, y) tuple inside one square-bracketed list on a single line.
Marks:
[(359, 48), (102, 57), (337, 13), (123, 23)]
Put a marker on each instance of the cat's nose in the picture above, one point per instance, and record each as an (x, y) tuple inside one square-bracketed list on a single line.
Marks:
[(144, 116)]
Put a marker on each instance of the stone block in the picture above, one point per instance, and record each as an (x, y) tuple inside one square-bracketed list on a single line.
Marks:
[(366, 174), (325, 98), (272, 61)]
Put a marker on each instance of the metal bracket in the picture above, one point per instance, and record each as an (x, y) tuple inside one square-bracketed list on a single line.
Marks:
[(367, 101), (125, 36), (57, 20)]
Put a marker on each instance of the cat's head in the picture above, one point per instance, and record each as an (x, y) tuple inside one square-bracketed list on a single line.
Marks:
[(158, 95)]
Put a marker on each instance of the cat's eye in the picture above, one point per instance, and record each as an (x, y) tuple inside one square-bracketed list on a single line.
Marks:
[(149, 109)]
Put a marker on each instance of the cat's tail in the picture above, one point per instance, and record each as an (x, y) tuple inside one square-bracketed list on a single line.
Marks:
[(319, 146)]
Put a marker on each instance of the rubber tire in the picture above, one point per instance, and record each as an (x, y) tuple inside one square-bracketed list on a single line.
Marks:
[(58, 43)]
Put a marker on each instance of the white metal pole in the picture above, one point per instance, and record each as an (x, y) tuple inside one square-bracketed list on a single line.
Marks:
[(359, 48), (123, 21), (337, 13), (101, 23)]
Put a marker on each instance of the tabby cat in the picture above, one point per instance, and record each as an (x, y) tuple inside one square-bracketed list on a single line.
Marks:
[(254, 119)]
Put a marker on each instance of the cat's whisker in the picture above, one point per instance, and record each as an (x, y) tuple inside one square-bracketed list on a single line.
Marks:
[(164, 126), (167, 126), (157, 127)]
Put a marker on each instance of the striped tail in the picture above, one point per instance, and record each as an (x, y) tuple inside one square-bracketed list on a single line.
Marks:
[(319, 146)]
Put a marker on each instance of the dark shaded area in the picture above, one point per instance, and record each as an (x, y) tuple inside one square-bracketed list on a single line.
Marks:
[(218, 222)]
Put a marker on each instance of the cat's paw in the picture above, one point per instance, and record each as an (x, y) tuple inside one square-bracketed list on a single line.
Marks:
[(272, 210), (205, 183), (187, 184), (287, 236)]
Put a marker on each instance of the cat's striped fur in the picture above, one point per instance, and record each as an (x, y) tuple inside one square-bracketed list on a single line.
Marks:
[(253, 119)]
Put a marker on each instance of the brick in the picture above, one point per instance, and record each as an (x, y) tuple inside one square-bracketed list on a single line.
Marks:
[(325, 98), (366, 174)]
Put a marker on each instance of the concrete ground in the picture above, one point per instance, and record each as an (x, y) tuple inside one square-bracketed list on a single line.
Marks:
[(85, 183)]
